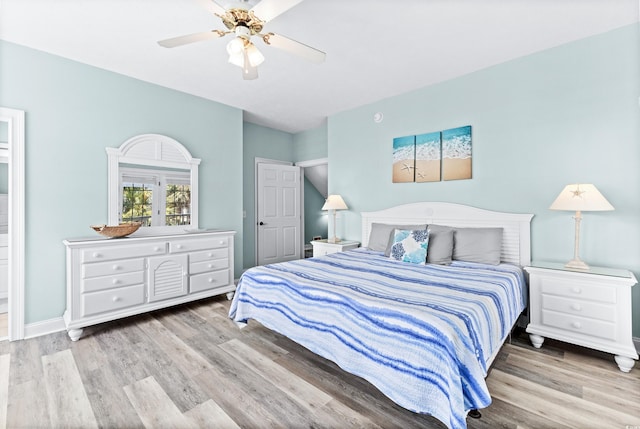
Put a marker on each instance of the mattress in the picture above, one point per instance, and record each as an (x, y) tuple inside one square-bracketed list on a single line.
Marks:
[(422, 334)]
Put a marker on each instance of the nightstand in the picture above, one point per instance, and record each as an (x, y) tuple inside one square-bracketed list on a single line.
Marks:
[(588, 308), (322, 247)]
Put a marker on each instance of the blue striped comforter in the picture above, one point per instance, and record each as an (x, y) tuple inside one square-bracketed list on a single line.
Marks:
[(422, 334)]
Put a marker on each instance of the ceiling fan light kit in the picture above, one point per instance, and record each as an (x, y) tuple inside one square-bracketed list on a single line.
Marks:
[(244, 23)]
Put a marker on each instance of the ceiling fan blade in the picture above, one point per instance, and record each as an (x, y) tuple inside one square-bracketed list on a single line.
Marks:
[(294, 47), (266, 10), (213, 7), (190, 38)]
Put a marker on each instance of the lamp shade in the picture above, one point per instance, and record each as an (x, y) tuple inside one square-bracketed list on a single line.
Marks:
[(581, 197), (334, 202)]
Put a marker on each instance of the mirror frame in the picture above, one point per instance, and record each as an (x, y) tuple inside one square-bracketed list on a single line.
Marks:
[(150, 150)]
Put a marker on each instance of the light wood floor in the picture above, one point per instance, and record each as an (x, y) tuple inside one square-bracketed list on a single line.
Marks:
[(190, 366)]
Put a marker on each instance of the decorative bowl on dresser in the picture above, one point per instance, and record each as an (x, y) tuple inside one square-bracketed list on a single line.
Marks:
[(110, 279), (117, 231), (590, 308)]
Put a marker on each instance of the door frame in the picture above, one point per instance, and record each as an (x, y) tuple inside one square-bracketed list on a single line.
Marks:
[(255, 204), (15, 301)]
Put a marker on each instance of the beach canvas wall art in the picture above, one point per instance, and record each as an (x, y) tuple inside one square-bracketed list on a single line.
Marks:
[(456, 153), (404, 159), (432, 157), (428, 149)]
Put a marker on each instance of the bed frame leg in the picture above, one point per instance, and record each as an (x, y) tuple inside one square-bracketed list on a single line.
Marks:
[(474, 414)]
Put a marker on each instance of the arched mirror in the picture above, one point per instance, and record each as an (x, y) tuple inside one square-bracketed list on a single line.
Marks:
[(153, 179)]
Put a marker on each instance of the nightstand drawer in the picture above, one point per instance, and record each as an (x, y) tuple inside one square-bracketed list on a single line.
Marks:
[(588, 309), (578, 289), (588, 327)]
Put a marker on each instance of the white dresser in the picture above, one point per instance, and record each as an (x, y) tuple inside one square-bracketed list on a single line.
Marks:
[(108, 279), (588, 308)]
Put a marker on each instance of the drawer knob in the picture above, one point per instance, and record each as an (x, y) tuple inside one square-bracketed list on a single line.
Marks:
[(178, 246), (576, 307), (156, 249), (576, 290), (115, 299), (576, 325), (210, 280), (115, 281), (210, 255), (116, 267), (97, 255), (210, 265)]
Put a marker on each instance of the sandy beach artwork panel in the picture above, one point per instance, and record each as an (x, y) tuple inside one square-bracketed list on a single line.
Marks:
[(404, 159), (428, 150), (456, 153)]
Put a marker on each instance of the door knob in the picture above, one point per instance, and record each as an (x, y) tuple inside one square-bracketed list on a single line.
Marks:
[(261, 223)]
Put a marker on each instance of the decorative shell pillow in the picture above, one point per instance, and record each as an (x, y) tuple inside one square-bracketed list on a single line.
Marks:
[(410, 245)]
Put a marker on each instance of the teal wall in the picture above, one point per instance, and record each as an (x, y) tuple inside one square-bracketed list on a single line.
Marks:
[(315, 220), (259, 142), (564, 115), (73, 111), (310, 145)]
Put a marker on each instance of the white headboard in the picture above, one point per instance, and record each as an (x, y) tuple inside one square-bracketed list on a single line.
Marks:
[(516, 238)]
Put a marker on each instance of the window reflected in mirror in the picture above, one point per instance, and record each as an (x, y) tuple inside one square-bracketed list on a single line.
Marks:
[(155, 197)]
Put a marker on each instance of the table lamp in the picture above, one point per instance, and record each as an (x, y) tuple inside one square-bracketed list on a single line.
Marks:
[(333, 203), (581, 198)]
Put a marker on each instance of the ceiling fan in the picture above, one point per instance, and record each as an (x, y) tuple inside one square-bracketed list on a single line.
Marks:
[(245, 21)]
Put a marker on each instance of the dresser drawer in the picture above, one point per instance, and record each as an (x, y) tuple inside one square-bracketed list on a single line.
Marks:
[(111, 282), (190, 245), (577, 289), (110, 268), (211, 265), (587, 327), (210, 280), (208, 254), (588, 309), (110, 300), (122, 252)]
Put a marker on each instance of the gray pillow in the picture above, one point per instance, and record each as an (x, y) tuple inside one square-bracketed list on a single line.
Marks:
[(380, 238), (482, 245), (440, 250)]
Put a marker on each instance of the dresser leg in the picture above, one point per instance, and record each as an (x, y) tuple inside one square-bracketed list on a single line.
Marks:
[(536, 340), (624, 363), (74, 334), (230, 295)]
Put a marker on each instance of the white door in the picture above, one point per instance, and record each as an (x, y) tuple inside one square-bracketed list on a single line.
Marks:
[(278, 213)]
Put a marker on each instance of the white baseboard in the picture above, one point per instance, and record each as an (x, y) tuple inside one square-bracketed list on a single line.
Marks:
[(43, 328)]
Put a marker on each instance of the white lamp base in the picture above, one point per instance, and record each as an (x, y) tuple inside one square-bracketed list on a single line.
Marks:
[(576, 264), (333, 240)]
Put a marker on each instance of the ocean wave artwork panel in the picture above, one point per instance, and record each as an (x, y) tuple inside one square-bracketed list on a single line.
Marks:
[(428, 155), (456, 153), (404, 159)]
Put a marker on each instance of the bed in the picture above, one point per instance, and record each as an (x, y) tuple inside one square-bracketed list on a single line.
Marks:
[(424, 334)]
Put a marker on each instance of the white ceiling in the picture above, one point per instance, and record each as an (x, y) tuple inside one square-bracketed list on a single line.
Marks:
[(375, 48)]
